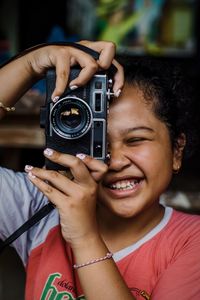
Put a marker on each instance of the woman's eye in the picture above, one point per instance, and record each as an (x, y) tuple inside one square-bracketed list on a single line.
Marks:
[(135, 140)]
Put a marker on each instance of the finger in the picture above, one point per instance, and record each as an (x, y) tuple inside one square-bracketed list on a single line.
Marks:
[(106, 59), (97, 168), (55, 178), (62, 64), (118, 78), (78, 169), (107, 52), (54, 195), (88, 68), (64, 60)]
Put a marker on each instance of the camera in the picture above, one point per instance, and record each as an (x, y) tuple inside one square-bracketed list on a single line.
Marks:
[(77, 122)]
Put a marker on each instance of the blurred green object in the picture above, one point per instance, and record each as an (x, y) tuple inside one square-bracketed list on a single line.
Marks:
[(107, 7), (118, 28), (116, 19)]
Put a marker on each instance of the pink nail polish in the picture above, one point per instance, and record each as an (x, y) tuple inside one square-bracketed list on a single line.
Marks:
[(48, 152), (81, 156), (30, 174), (117, 93), (73, 87), (28, 168), (55, 99)]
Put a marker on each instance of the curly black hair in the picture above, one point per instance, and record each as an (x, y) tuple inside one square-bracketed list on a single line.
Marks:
[(169, 91)]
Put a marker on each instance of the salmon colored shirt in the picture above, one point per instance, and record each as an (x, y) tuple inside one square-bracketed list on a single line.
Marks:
[(163, 265)]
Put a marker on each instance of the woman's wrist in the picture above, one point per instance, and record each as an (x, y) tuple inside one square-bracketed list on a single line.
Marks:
[(29, 64), (96, 269), (86, 241), (88, 249)]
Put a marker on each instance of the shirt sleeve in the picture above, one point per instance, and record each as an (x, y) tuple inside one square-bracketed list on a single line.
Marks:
[(19, 200), (181, 279)]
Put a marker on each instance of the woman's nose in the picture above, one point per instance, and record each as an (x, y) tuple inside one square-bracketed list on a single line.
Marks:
[(118, 159)]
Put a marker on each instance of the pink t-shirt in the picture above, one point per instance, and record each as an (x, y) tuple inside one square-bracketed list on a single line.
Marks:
[(163, 265)]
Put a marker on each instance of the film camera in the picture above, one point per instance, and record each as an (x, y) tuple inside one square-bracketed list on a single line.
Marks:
[(77, 122)]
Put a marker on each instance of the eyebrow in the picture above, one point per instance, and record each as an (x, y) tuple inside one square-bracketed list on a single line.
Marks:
[(128, 130), (133, 129)]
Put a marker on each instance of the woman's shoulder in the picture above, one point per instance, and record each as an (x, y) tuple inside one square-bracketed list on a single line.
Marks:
[(184, 216), (183, 225)]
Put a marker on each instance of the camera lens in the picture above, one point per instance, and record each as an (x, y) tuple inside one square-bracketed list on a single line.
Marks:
[(71, 117)]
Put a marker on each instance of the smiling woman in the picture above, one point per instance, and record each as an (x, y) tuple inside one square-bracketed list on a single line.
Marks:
[(154, 134), (149, 132), (109, 236)]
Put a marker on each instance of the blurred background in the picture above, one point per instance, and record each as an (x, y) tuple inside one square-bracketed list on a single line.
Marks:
[(167, 29)]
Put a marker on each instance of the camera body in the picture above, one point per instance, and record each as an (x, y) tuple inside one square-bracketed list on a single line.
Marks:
[(77, 122)]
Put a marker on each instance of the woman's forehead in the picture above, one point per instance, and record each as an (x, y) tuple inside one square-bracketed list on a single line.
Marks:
[(132, 97), (132, 110)]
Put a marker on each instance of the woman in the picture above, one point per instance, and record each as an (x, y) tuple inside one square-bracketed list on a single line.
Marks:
[(109, 237)]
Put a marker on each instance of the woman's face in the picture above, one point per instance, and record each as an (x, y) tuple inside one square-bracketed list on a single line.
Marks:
[(142, 157)]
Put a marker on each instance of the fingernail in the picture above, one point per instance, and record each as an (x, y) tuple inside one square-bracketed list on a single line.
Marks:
[(73, 87), (48, 151), (55, 99), (30, 174), (117, 93), (81, 156), (28, 168)]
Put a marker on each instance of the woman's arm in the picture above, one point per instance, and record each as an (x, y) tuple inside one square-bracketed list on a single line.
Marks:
[(20, 74)]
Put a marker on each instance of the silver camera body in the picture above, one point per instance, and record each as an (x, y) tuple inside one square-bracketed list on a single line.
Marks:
[(77, 122)]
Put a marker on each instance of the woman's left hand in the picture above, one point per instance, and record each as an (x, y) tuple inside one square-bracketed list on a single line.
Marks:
[(75, 199)]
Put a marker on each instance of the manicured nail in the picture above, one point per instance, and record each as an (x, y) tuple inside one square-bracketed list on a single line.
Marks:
[(108, 156), (28, 168), (73, 87), (48, 151), (117, 93), (55, 99), (30, 174), (81, 156)]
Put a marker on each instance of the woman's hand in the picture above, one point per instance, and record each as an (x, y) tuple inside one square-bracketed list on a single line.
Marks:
[(64, 57), (24, 71), (75, 199)]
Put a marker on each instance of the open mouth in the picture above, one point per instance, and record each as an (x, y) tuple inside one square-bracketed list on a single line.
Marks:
[(124, 185)]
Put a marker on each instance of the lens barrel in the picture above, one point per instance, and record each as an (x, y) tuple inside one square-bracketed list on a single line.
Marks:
[(71, 117)]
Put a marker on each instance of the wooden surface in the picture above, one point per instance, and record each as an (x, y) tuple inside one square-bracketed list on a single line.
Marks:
[(22, 128), (21, 132)]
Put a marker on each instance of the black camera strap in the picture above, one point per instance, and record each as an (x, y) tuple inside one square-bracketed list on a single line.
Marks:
[(45, 210)]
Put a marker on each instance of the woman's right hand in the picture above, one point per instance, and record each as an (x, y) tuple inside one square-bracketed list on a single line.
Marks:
[(74, 198), (64, 57)]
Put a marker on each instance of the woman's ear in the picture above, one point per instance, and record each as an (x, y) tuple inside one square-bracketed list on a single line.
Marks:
[(178, 152)]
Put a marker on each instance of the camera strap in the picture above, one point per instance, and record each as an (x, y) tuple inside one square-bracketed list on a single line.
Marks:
[(45, 210)]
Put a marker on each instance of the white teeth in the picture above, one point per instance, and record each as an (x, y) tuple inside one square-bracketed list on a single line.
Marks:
[(124, 185)]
